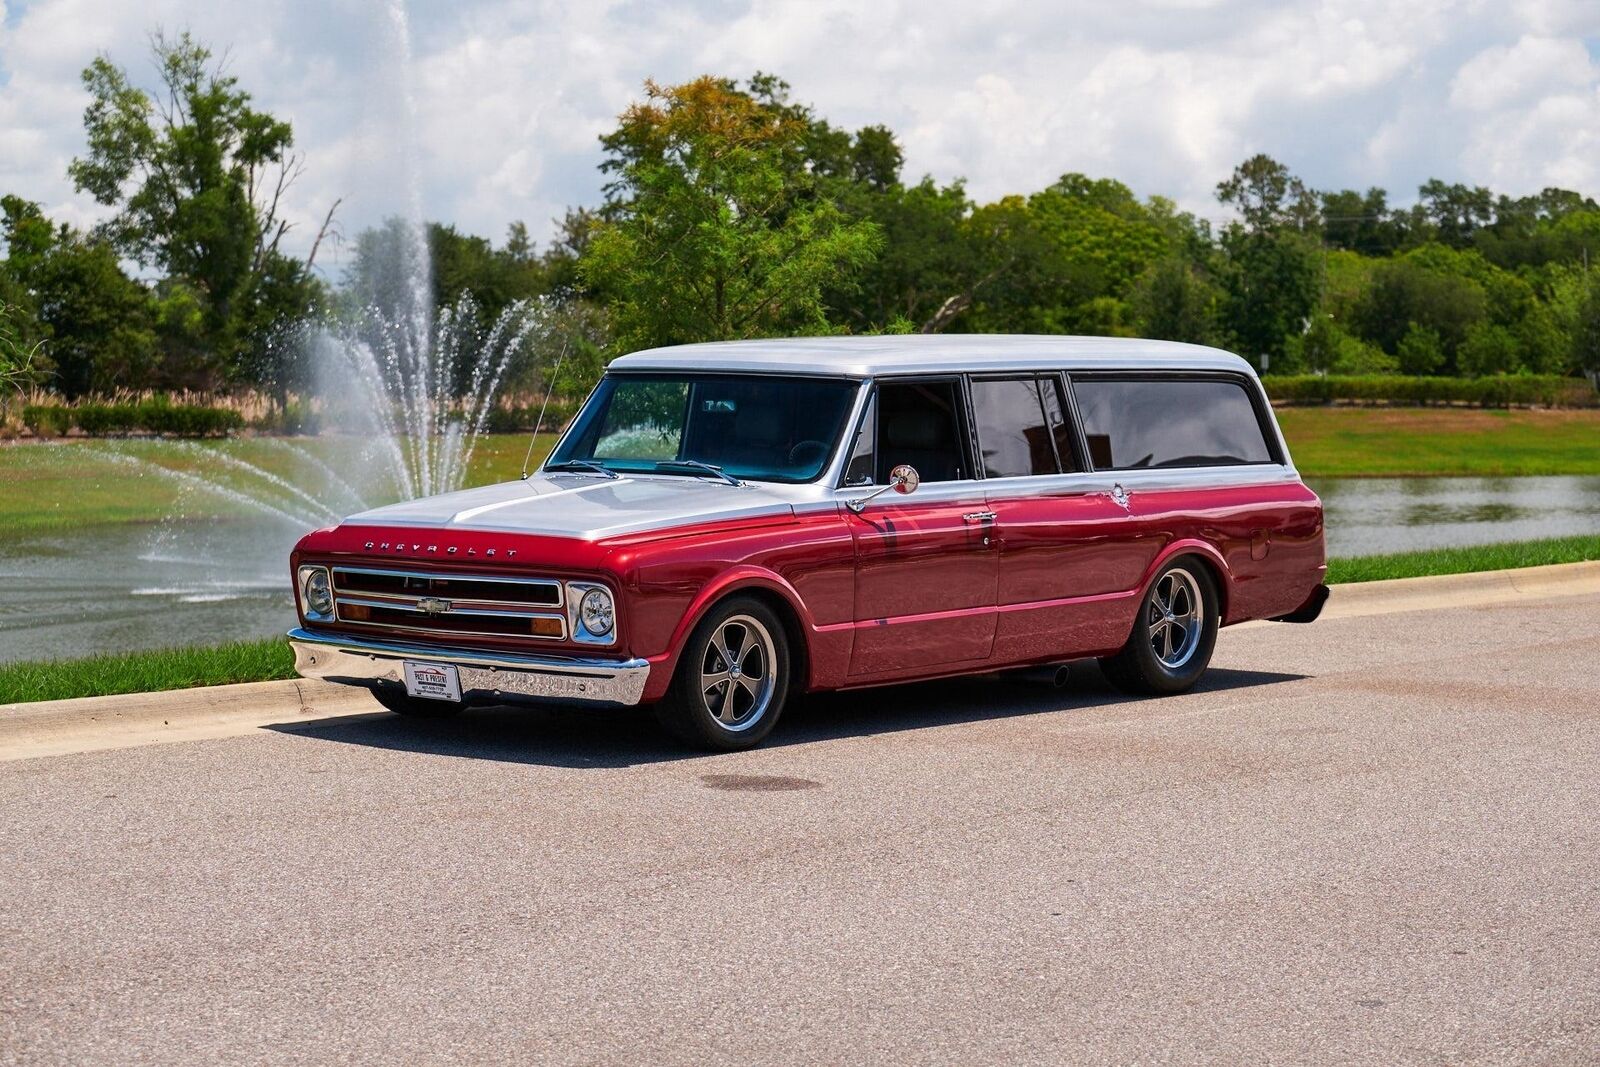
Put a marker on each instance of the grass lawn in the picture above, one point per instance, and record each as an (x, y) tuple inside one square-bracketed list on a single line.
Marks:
[(1370, 442), (68, 484), (1464, 560), (146, 672), (262, 661)]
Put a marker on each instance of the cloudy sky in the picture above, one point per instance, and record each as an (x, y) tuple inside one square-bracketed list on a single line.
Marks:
[(509, 96)]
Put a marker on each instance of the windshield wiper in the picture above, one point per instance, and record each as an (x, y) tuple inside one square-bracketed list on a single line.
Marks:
[(695, 466), (583, 466)]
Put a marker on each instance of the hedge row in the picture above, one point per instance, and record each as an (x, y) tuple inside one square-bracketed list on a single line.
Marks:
[(1499, 391), (149, 416), (522, 419)]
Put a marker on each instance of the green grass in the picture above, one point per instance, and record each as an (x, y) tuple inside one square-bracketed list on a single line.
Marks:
[(146, 672), (1464, 560), (70, 484), (1393, 442), (271, 659)]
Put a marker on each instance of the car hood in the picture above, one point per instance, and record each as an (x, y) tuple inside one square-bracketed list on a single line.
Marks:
[(591, 508)]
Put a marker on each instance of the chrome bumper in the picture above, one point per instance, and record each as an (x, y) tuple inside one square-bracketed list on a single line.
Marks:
[(485, 676)]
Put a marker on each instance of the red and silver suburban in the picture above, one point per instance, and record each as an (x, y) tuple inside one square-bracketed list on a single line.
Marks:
[(723, 524)]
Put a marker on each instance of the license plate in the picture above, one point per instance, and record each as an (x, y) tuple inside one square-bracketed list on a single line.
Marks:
[(432, 681)]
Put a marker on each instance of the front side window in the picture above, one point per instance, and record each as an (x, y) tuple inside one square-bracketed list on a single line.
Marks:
[(921, 424), (1136, 423), (1022, 428), (760, 427)]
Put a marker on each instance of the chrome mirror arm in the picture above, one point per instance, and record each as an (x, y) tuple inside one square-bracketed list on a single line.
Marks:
[(903, 479)]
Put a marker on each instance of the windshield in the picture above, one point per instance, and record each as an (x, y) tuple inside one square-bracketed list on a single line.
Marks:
[(760, 427)]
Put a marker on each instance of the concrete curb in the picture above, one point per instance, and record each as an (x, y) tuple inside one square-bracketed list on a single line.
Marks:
[(1463, 590), (54, 727), (61, 726)]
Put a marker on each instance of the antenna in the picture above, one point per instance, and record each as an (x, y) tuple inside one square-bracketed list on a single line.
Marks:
[(549, 388)]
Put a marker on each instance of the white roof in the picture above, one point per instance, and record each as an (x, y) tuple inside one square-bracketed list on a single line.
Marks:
[(862, 357)]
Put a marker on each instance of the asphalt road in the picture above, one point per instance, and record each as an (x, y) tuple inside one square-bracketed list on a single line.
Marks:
[(1374, 839)]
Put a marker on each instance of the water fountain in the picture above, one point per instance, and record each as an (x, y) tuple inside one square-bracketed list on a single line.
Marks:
[(401, 392)]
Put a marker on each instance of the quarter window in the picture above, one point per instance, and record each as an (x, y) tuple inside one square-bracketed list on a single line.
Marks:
[(1021, 427), (1169, 422)]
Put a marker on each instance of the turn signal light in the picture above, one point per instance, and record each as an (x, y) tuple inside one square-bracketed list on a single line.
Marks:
[(355, 612), (547, 627)]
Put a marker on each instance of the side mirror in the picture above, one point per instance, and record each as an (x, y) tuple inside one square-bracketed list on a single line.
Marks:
[(905, 478), (902, 479)]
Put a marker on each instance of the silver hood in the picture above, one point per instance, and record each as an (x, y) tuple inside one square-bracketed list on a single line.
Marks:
[(591, 508)]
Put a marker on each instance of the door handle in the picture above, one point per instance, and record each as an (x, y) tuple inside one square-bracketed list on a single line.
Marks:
[(980, 516)]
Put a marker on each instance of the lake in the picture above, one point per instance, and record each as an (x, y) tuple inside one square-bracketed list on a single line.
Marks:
[(114, 588)]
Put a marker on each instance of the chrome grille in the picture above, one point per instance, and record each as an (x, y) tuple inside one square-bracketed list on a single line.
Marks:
[(449, 605)]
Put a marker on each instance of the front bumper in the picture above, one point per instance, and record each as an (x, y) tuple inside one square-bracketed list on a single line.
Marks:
[(486, 677)]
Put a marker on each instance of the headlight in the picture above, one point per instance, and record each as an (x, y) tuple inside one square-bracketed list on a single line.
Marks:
[(597, 612), (316, 595)]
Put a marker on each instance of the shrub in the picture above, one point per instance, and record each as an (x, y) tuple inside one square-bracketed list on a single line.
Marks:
[(47, 420), (1497, 391)]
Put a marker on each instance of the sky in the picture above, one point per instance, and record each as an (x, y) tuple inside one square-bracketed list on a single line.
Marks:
[(496, 115)]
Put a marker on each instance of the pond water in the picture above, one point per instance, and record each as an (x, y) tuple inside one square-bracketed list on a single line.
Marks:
[(112, 588)]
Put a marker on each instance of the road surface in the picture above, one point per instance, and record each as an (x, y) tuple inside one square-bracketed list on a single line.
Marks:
[(1373, 839)]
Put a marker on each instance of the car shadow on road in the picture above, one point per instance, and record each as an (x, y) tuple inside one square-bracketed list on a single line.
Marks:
[(591, 738)]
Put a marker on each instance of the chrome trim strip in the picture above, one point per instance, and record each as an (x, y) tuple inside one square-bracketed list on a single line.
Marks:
[(453, 576), (395, 605), (485, 676)]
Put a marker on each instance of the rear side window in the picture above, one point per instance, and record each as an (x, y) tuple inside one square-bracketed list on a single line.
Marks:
[(1021, 426), (1154, 422)]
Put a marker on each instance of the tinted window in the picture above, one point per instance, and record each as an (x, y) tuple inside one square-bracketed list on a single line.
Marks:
[(920, 423), (1169, 423), (1014, 437), (752, 426)]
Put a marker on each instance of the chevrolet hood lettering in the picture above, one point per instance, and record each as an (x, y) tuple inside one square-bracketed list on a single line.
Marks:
[(590, 509)]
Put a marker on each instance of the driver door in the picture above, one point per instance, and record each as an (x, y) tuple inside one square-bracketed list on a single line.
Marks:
[(926, 562)]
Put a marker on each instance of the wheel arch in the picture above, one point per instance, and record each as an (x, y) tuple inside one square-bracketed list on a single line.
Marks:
[(766, 587), (1209, 558)]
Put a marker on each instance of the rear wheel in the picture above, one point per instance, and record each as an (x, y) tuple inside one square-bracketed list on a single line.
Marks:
[(733, 678), (415, 707), (1173, 636)]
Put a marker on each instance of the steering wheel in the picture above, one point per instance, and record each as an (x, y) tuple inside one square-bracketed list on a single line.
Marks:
[(808, 453)]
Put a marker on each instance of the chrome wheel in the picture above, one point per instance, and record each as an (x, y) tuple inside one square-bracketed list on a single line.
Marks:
[(1175, 616), (738, 673)]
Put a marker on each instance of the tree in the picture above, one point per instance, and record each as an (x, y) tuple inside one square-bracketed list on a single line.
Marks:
[(1420, 351), (1269, 198), (1421, 289), (714, 229), (1174, 301), (1489, 348), (197, 176), (1361, 222), (98, 322), (1455, 211), (1272, 281), (18, 357)]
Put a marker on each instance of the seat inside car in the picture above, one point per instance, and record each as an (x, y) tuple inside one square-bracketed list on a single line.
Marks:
[(924, 438)]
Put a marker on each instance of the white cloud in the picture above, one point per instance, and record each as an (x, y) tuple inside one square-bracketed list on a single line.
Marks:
[(511, 95)]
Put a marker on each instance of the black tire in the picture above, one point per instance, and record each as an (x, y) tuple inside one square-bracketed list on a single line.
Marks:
[(1178, 615), (721, 709), (415, 707)]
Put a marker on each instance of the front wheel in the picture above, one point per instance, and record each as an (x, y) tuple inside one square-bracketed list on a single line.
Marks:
[(733, 678), (1174, 635)]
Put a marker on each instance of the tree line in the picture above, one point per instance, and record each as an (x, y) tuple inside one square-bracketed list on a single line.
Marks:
[(731, 211)]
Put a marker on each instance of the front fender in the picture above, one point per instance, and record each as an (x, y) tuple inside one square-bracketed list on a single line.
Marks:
[(733, 580)]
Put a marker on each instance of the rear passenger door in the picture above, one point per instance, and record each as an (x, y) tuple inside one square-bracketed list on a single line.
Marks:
[(1064, 542)]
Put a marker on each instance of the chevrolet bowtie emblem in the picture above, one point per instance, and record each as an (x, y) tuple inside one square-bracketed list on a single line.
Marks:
[(432, 605)]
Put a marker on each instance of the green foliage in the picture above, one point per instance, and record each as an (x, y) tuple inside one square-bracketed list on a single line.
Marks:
[(1500, 391), (1420, 351), (156, 415), (1326, 347), (1271, 284), (196, 175), (713, 230)]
